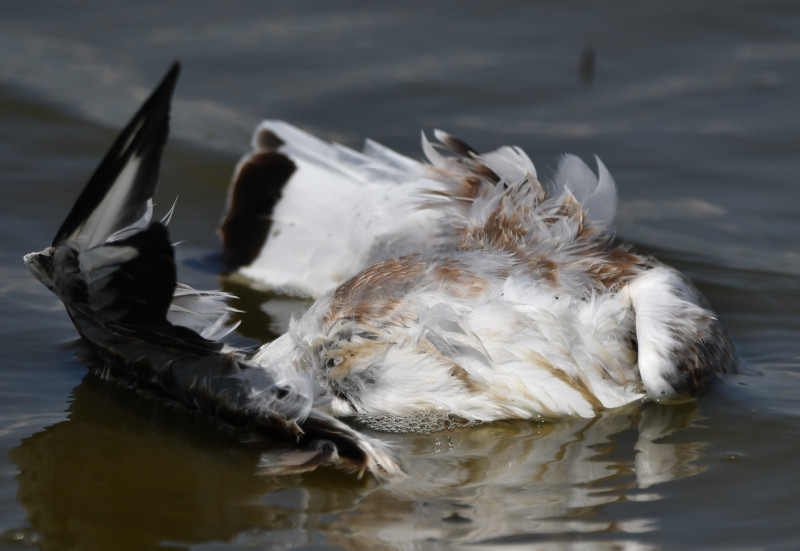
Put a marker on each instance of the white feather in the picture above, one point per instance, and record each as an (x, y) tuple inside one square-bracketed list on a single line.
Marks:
[(340, 212), (511, 164), (597, 195), (206, 312), (668, 320), (97, 228)]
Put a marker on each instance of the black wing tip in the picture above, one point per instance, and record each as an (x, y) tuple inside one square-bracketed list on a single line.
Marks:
[(173, 72), (163, 93), (146, 135)]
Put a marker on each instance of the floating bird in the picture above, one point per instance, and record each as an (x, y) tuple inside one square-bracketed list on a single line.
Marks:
[(506, 297)]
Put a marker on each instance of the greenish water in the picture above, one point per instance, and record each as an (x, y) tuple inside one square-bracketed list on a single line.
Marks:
[(693, 109)]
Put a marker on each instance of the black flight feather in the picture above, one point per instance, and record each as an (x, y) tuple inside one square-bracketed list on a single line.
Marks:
[(116, 275), (143, 138), (254, 193)]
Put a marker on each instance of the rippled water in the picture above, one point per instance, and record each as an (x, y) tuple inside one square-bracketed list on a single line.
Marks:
[(692, 105)]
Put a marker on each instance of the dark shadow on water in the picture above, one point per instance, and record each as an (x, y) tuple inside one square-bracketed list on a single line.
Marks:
[(263, 315), (128, 472)]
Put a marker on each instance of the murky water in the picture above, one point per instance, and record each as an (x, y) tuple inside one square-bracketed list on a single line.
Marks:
[(694, 108)]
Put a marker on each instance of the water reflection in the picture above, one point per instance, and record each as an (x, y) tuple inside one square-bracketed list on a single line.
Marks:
[(125, 472), (526, 480)]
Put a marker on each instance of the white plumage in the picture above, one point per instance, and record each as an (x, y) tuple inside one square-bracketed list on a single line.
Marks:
[(340, 212), (514, 302)]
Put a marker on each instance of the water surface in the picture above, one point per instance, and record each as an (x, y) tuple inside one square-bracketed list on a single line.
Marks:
[(692, 106)]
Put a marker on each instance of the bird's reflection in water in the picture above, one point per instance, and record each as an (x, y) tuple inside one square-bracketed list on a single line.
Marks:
[(126, 472), (511, 480)]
